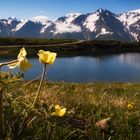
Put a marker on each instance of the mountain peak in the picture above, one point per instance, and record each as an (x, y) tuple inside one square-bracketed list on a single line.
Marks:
[(100, 24), (104, 11), (69, 17), (73, 14), (100, 10), (12, 18)]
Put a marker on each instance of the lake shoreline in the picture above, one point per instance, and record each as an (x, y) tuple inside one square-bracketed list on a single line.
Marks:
[(79, 48)]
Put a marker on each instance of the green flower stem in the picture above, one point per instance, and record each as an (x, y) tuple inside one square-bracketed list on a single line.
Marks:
[(7, 63), (40, 85)]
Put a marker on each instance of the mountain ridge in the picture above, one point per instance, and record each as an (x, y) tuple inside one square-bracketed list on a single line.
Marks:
[(101, 24)]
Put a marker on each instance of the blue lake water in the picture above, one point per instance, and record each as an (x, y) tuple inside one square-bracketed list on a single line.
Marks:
[(111, 68)]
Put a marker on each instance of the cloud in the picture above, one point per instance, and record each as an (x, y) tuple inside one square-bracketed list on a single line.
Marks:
[(42, 19)]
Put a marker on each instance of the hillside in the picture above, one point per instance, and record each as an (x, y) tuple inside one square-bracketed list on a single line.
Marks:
[(101, 24)]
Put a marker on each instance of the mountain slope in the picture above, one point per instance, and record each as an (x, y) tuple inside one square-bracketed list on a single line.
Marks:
[(104, 25), (6, 25), (101, 24), (131, 21), (64, 28)]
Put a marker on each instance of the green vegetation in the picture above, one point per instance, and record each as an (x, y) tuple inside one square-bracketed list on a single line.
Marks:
[(101, 47), (86, 104), (54, 111), (31, 41), (67, 47)]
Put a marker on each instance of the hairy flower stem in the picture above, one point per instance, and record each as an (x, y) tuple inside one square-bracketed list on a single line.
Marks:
[(40, 85)]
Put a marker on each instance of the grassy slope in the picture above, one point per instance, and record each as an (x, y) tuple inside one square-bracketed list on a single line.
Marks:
[(86, 104)]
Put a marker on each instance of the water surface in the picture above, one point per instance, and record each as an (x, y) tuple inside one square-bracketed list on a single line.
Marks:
[(112, 68)]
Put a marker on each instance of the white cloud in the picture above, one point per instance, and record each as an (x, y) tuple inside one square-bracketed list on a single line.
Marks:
[(42, 19)]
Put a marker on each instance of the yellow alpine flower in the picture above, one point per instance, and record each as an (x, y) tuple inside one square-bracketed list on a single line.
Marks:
[(22, 61), (130, 106), (46, 57), (59, 111), (22, 53), (24, 64)]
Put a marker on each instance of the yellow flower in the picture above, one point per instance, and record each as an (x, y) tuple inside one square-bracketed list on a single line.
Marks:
[(22, 61), (130, 106), (59, 111), (132, 103), (24, 64), (46, 57), (22, 53)]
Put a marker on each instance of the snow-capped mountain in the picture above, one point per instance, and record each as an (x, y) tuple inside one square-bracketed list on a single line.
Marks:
[(6, 25), (131, 21), (64, 27), (30, 28), (101, 24)]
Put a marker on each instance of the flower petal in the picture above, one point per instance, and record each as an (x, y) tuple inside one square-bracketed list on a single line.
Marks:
[(24, 64), (59, 111), (46, 57), (52, 58), (58, 107), (13, 65), (22, 53), (62, 112)]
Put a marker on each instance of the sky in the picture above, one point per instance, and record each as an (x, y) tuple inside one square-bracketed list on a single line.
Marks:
[(25, 9)]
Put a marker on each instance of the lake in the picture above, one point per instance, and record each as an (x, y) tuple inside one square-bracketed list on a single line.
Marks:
[(110, 68)]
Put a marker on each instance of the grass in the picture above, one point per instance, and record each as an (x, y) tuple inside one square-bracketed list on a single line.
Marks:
[(86, 105)]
